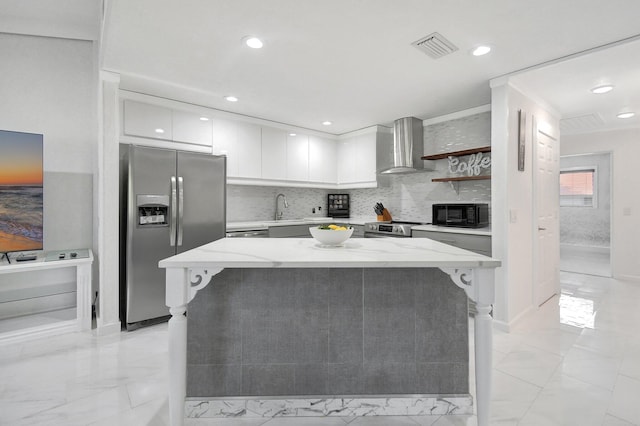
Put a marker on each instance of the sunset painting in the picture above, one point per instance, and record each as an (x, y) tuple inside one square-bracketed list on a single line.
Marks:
[(21, 177)]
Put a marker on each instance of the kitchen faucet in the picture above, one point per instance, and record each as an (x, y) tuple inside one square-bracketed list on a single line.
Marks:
[(286, 205)]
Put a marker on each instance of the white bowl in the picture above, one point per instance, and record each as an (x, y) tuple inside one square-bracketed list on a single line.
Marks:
[(330, 237)]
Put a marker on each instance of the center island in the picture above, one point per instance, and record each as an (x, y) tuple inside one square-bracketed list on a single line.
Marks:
[(288, 327)]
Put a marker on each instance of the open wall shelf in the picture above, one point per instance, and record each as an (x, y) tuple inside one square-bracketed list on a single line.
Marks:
[(456, 153), (455, 181), (461, 178)]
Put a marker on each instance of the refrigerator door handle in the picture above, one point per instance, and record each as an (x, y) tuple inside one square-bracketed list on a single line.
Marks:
[(174, 208), (180, 209)]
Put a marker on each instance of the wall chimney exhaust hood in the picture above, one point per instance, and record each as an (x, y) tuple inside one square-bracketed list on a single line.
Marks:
[(407, 146)]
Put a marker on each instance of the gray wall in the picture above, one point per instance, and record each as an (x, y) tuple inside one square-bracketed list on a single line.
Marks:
[(408, 197), (275, 332), (587, 226), (48, 87)]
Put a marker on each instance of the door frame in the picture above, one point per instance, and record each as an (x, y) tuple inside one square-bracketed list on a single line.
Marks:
[(611, 202)]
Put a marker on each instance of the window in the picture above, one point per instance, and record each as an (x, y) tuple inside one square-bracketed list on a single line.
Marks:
[(577, 187)]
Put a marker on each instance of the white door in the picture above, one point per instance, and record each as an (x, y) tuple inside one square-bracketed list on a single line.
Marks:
[(546, 201)]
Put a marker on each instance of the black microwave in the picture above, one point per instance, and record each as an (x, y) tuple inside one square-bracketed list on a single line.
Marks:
[(463, 215)]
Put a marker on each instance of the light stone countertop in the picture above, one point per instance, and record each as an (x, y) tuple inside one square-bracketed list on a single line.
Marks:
[(308, 253), (265, 224)]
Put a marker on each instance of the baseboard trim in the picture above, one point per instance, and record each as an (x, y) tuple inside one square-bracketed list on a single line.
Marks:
[(39, 332), (108, 329), (507, 327), (634, 278)]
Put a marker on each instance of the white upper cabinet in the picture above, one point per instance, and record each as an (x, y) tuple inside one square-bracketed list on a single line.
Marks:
[(365, 158), (249, 150), (274, 153), (191, 128), (147, 121), (357, 160), (256, 154), (298, 157), (225, 142), (345, 163), (323, 160)]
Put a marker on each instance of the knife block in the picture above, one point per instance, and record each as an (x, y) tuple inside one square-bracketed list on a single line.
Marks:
[(385, 216)]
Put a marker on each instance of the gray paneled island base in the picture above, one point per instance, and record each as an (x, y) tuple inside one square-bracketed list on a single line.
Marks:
[(291, 328)]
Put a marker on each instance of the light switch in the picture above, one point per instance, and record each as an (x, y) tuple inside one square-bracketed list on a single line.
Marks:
[(626, 211)]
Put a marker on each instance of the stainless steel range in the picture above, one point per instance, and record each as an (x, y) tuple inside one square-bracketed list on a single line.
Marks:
[(388, 229)]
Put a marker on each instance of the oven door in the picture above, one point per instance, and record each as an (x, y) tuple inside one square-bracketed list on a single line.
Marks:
[(374, 235)]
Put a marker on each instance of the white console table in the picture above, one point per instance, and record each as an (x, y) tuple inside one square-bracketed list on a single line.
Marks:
[(82, 266)]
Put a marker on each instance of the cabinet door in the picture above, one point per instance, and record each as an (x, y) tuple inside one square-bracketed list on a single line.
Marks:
[(191, 128), (249, 150), (274, 153), (346, 153), (225, 138), (289, 231), (298, 157), (147, 121), (364, 148), (323, 160), (480, 244)]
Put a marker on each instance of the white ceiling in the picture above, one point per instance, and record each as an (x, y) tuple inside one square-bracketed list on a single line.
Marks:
[(351, 61)]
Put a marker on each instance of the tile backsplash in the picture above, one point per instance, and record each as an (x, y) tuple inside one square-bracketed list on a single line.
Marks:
[(407, 197)]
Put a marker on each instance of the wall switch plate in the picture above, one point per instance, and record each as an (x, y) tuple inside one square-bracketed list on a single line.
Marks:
[(513, 216), (626, 211)]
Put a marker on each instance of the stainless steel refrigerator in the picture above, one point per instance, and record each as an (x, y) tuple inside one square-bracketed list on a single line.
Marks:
[(171, 201)]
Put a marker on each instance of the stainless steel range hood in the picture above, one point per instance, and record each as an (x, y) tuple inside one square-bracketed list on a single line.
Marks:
[(407, 146)]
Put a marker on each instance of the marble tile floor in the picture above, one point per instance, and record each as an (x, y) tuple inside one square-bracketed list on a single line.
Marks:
[(576, 361), (585, 260)]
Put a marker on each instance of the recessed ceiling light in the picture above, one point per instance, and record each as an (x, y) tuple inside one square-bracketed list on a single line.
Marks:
[(481, 50), (231, 98), (628, 114), (204, 118), (292, 134), (253, 42), (327, 123), (159, 130), (602, 89)]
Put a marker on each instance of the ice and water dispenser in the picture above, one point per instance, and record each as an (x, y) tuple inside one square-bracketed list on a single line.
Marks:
[(152, 210)]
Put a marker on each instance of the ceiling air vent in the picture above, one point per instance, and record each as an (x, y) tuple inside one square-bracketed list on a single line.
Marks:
[(435, 45)]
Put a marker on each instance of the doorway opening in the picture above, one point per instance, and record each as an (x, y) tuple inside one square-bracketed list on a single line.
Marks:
[(585, 214)]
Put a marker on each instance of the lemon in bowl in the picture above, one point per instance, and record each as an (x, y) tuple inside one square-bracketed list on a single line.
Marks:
[(331, 235)]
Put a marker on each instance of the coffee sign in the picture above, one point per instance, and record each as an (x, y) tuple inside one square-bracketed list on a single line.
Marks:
[(473, 166)]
